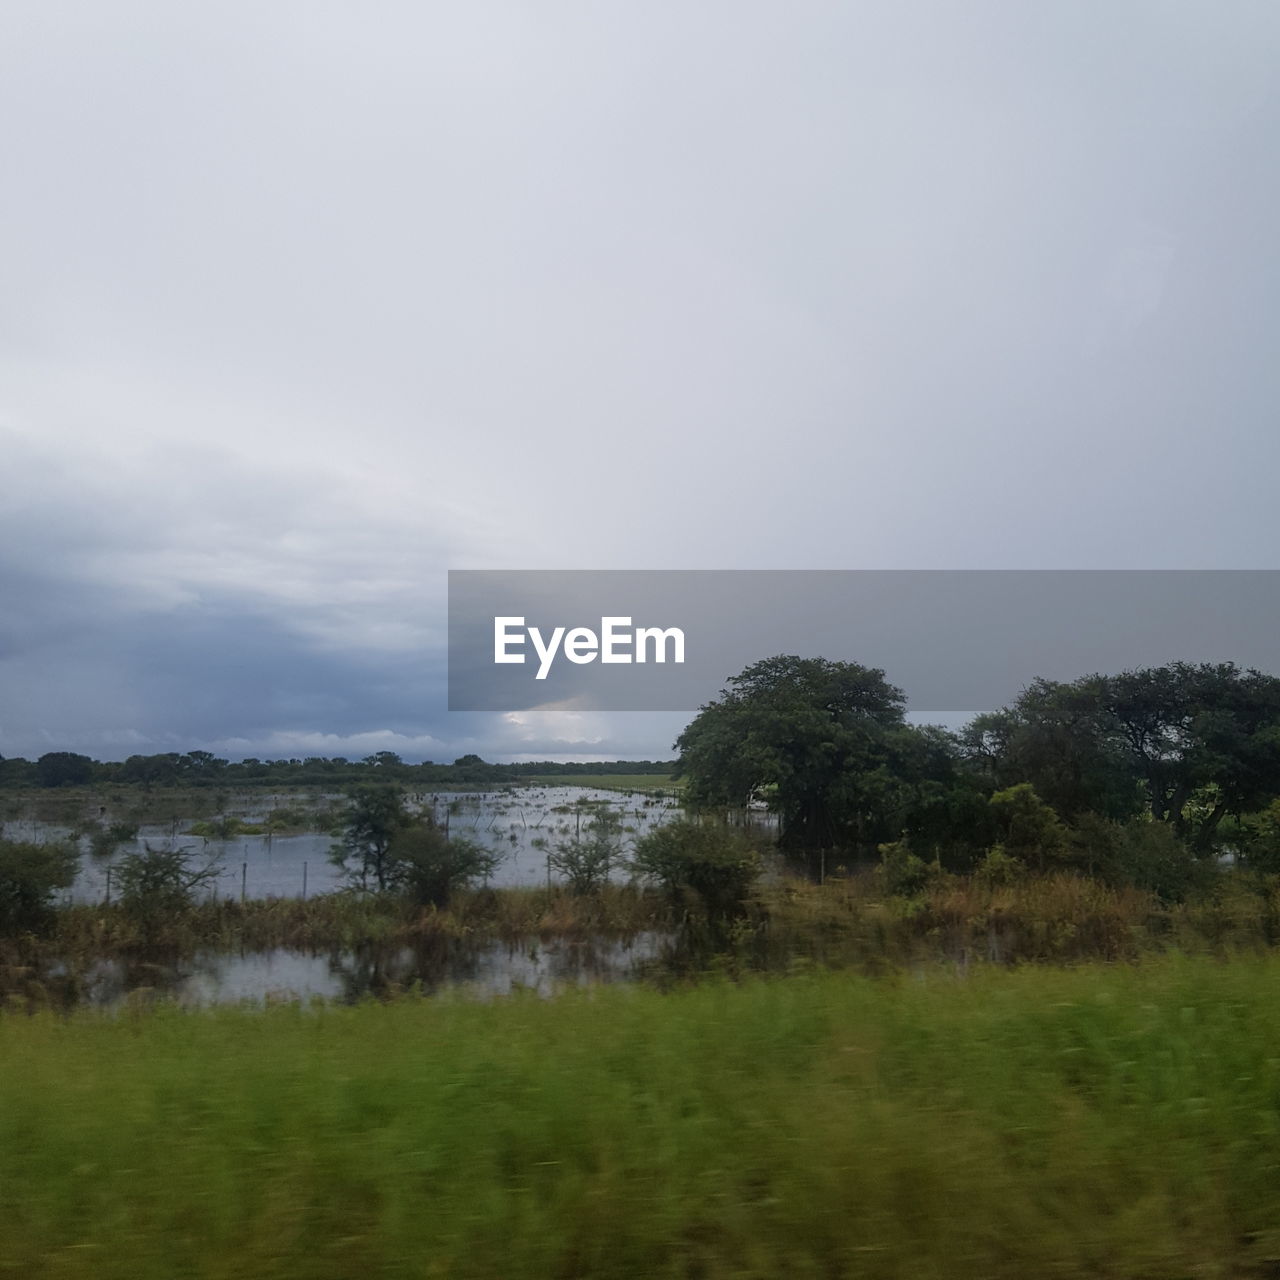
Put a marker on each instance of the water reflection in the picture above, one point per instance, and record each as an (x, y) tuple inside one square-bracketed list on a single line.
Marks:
[(472, 970)]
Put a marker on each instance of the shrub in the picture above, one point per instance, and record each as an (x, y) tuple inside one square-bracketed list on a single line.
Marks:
[(585, 862), (425, 864), (288, 818), (105, 840), (374, 816), (716, 863), (162, 882), (902, 872), (1142, 853), (1258, 837), (1029, 829), (30, 874), (999, 868), (224, 828)]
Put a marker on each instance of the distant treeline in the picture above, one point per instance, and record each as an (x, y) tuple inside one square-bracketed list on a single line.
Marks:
[(202, 768)]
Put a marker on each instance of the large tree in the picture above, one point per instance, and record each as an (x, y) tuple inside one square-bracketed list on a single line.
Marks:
[(1188, 742), (1062, 739), (1204, 739), (63, 769), (824, 742), (374, 816)]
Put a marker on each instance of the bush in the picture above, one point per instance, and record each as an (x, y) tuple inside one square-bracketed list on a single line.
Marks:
[(161, 882), (1258, 838), (716, 863), (1142, 853), (903, 873), (105, 840), (425, 864), (373, 818), (1029, 829), (288, 818), (999, 868), (586, 862), (224, 828), (30, 874)]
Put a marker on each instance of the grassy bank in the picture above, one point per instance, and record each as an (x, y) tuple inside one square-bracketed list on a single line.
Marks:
[(850, 922), (1103, 1122)]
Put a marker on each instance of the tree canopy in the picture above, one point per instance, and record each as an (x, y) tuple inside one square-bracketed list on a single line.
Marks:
[(1187, 743), (824, 742), (827, 746)]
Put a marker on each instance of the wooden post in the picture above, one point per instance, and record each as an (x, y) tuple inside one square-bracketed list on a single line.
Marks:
[(244, 878), (108, 902), (304, 882)]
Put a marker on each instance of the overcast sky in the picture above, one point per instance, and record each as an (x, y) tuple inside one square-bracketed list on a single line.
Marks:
[(303, 304)]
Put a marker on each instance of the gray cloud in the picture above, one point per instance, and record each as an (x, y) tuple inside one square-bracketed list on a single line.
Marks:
[(301, 306)]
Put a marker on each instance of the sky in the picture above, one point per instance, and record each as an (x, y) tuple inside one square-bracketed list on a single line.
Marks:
[(304, 304)]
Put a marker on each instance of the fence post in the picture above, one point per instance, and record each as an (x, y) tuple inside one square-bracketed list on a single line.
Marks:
[(304, 882), (244, 877)]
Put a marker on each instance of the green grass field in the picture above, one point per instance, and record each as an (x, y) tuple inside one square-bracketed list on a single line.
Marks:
[(1105, 1121)]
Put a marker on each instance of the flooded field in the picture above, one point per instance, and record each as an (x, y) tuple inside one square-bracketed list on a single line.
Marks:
[(289, 858), (521, 824)]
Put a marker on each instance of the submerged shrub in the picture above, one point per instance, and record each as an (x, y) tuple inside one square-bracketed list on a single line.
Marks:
[(717, 863), (225, 828), (373, 817), (104, 840), (163, 879), (158, 884), (586, 861), (288, 818), (426, 865)]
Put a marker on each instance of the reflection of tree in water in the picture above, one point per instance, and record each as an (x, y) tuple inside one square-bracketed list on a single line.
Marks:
[(377, 970), (488, 967), (546, 964), (108, 982), (729, 946), (494, 967), (597, 959), (40, 987)]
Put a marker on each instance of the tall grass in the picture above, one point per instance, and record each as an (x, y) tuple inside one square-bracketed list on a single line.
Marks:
[(1102, 1122), (1057, 918), (847, 922)]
